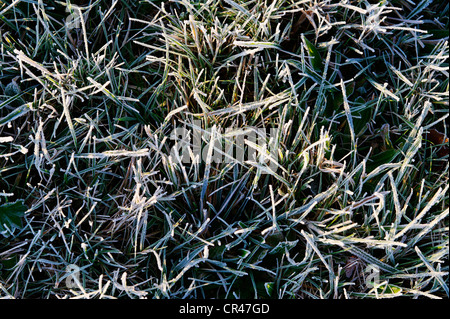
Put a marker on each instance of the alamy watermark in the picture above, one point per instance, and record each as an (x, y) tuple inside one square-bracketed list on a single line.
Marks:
[(73, 20), (248, 145), (366, 274), (73, 277), (371, 275)]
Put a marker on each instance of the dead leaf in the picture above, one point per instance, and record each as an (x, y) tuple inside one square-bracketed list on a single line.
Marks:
[(438, 138)]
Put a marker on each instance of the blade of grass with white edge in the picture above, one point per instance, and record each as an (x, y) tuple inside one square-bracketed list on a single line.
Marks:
[(274, 217), (250, 52), (410, 153), (429, 227), (400, 75), (370, 259), (18, 112), (9, 7), (234, 110), (311, 243), (433, 272), (6, 139), (21, 57), (111, 95), (413, 135), (66, 112), (85, 37), (241, 9), (435, 200), (380, 169), (371, 242), (139, 153), (398, 210), (383, 89), (307, 208), (348, 114), (419, 8), (207, 171), (254, 44)]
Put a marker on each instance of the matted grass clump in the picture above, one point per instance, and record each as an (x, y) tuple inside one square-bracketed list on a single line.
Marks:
[(120, 126)]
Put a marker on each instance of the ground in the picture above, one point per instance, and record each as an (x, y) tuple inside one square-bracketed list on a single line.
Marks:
[(224, 149)]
